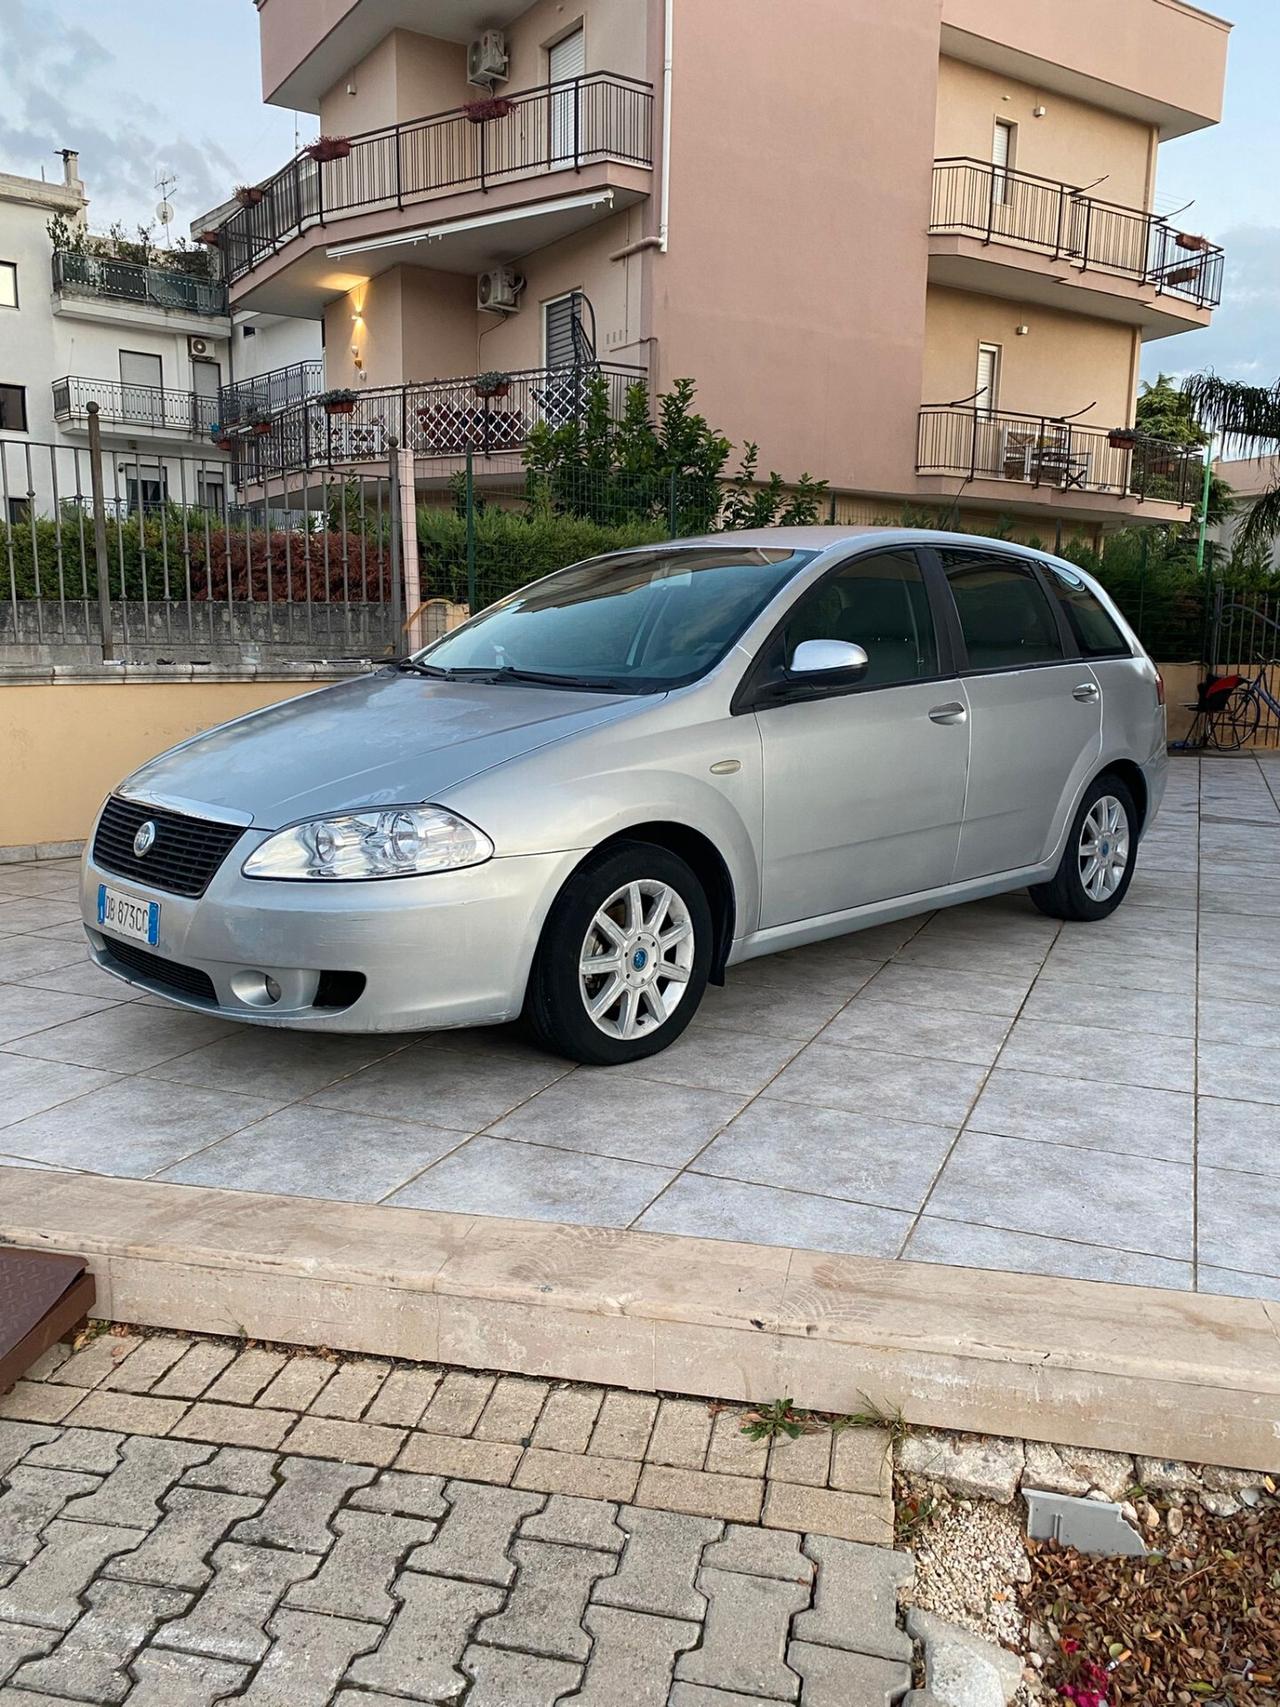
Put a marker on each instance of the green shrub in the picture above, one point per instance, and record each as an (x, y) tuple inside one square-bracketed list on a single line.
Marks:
[(514, 547)]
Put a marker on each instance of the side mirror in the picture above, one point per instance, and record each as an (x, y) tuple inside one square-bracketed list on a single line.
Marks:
[(829, 658)]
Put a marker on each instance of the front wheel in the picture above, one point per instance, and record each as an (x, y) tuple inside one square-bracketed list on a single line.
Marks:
[(1236, 720), (623, 958), (1097, 862)]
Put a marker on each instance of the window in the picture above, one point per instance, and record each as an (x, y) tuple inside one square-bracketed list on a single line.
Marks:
[(1094, 629), (1005, 615), (8, 285), (878, 602), (13, 408), (563, 340), (566, 60), (987, 389), (19, 512), (211, 493), (146, 487), (1003, 149)]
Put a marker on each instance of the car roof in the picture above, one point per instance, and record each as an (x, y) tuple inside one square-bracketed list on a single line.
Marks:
[(829, 538)]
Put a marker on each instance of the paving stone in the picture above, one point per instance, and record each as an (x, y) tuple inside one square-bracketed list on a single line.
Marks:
[(409, 1496), (233, 1425), (427, 1638), (961, 1668), (245, 1377), (805, 1459), (131, 1493), (354, 1580), (659, 1564), (145, 1365), (745, 1635), (452, 1455), (404, 1396), (229, 1620), (351, 1390), (102, 1355), (543, 1614), (862, 1461), (297, 1384), (308, 1656), (32, 1500), (1167, 1475), (49, 1362), (175, 1553), (91, 1658), (39, 1402), (17, 1439), (576, 1522), (474, 1538), (974, 1466), (855, 1602), (681, 1434), (298, 1513), (349, 1442), (235, 1470), (732, 1453), (632, 1657), (78, 1449), (827, 1511), (457, 1404), (203, 1363), (128, 1413), (505, 1679), (624, 1426), (835, 1679), (167, 1678), (29, 1698), (48, 1590), (760, 1553), (694, 1695), (736, 1498), (512, 1410), (1077, 1470), (20, 1642), (567, 1419), (595, 1478)]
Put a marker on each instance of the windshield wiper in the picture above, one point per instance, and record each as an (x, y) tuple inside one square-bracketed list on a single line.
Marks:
[(415, 667), (541, 678)]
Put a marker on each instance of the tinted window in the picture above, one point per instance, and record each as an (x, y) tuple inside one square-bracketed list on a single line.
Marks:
[(13, 408), (878, 602), (1096, 633), (1005, 616)]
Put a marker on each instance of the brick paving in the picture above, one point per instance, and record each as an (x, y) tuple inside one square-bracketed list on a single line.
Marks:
[(183, 1523)]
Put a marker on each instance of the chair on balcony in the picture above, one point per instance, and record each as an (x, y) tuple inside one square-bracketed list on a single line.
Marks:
[(1047, 457)]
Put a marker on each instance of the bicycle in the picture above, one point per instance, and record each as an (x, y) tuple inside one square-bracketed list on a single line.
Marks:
[(1229, 709)]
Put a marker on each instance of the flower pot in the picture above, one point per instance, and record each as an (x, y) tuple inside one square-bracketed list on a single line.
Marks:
[(329, 148), (261, 429), (210, 237), (340, 408), (494, 391), (250, 197), (225, 443), (1122, 439), (1185, 240), (476, 112)]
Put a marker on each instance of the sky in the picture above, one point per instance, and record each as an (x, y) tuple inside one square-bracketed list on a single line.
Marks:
[(144, 86)]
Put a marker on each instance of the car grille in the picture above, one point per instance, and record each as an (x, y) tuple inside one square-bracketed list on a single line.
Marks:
[(187, 980), (181, 860)]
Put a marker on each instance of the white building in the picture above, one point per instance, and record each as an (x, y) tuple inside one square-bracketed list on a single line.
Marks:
[(1248, 478)]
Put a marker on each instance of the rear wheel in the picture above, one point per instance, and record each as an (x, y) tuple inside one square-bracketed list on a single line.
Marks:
[(1236, 720), (1097, 862), (623, 958)]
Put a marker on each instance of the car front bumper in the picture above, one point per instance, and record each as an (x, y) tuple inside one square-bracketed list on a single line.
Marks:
[(450, 949)]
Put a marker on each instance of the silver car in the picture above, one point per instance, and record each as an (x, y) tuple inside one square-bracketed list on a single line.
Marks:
[(611, 787)]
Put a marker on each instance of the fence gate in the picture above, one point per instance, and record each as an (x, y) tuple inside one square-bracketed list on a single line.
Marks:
[(1244, 640)]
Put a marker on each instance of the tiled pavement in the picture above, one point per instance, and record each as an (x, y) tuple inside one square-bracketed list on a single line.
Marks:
[(194, 1524), (980, 1087)]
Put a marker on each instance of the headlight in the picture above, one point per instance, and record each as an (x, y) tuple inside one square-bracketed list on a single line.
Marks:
[(404, 841)]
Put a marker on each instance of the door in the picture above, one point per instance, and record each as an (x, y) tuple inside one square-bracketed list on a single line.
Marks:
[(1001, 160), (141, 388), (204, 386), (565, 61), (1035, 711), (863, 786)]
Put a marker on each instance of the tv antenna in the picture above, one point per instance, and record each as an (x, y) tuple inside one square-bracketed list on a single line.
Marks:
[(165, 182)]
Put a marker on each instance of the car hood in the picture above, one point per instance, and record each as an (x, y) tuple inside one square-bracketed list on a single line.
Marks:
[(386, 739)]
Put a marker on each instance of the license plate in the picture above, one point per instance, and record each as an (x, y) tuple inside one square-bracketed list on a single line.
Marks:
[(123, 915)]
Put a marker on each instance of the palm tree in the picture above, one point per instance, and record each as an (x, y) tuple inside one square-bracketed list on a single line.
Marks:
[(1247, 419)]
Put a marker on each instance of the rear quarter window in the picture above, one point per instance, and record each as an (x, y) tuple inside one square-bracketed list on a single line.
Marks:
[(1092, 625)]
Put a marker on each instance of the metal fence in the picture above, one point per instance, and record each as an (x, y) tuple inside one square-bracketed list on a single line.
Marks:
[(156, 407), (270, 393), (1244, 640), (128, 281)]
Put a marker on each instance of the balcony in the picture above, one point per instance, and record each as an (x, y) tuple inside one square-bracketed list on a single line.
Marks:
[(270, 393), (540, 160), (1008, 233), (126, 281), (1058, 458), (440, 422), (152, 410)]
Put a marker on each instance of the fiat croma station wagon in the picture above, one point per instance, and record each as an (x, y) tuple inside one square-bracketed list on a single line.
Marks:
[(609, 788)]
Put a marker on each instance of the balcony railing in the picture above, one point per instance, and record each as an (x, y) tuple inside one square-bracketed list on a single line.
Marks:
[(269, 393), (975, 199), (126, 281), (147, 406), (441, 419), (1039, 451), (558, 126)]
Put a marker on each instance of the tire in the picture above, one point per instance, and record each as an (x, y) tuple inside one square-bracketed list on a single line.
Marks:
[(1235, 721), (595, 916), (1096, 825)]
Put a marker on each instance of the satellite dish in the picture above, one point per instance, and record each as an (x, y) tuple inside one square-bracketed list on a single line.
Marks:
[(164, 212)]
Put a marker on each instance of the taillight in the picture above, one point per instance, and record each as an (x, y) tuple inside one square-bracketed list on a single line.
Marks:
[(1159, 688)]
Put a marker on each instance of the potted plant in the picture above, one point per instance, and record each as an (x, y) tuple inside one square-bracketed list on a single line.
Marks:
[(221, 437), (329, 148), (1188, 240), (488, 107), (1122, 438), (491, 384), (211, 237), (255, 423), (339, 401), (249, 195)]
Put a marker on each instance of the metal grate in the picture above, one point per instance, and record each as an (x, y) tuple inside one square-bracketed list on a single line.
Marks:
[(182, 859), (187, 980)]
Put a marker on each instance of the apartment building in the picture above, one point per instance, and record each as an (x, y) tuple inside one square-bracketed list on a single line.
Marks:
[(910, 248)]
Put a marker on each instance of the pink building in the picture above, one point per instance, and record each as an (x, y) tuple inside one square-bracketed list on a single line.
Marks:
[(908, 247)]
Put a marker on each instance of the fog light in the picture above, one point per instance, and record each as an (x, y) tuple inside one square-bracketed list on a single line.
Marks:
[(273, 990), (256, 989)]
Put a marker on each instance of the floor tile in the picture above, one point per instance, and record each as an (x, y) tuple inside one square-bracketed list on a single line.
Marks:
[(1119, 971), (1221, 981), (1239, 1215), (447, 1087), (932, 1032), (1242, 1135), (775, 1007), (83, 978), (727, 1209), (962, 1244), (490, 1176), (623, 1115), (24, 1010), (1164, 1014), (709, 1058), (972, 954), (1233, 1283), (1247, 1024), (934, 987), (1126, 1119), (21, 956), (29, 1086), (277, 1063), (132, 1036), (1095, 1052), (1232, 1070), (39, 913), (905, 1087)]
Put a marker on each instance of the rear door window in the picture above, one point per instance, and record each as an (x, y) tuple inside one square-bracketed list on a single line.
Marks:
[(1090, 622), (1006, 618)]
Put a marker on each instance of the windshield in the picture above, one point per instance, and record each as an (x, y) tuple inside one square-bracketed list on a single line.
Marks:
[(637, 621)]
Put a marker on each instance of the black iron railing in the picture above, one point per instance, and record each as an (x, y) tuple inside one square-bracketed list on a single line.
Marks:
[(268, 393), (974, 199), (558, 126), (127, 281), (439, 419), (147, 406), (1038, 450)]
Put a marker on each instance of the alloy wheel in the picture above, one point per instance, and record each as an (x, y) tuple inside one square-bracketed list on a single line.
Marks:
[(1104, 848), (636, 959)]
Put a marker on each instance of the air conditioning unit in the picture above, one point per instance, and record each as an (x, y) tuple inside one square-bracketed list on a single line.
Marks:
[(487, 59), (499, 289), (197, 347)]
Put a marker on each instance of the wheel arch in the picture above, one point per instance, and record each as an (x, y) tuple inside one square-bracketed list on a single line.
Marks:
[(704, 858), (1131, 775)]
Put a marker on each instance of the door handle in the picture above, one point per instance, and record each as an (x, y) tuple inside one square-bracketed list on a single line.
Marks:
[(952, 712), (1085, 692)]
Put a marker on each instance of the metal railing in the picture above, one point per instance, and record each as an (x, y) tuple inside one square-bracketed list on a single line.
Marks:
[(1038, 450), (972, 198), (557, 126), (153, 407), (443, 418), (269, 393), (127, 281)]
